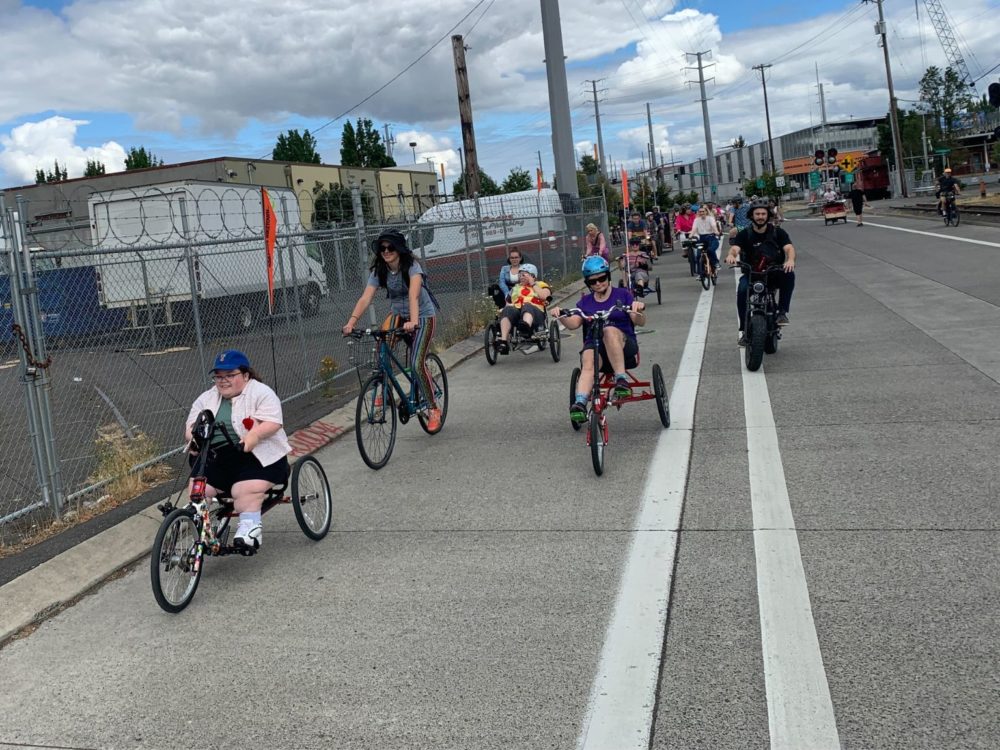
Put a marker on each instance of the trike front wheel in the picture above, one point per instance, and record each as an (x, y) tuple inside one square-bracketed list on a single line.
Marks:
[(573, 380), (311, 498), (172, 562), (596, 439), (660, 390)]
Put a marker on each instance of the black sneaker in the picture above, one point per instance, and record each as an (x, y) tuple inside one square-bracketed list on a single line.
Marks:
[(502, 347), (782, 319), (622, 388), (578, 412), (742, 341)]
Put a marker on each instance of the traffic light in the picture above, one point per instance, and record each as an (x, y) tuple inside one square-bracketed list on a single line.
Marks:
[(818, 161), (994, 94), (831, 156)]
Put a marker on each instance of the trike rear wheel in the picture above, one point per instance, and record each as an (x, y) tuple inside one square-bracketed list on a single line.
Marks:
[(659, 295), (662, 402), (375, 421), (555, 342), (491, 336), (573, 380), (311, 498), (172, 562)]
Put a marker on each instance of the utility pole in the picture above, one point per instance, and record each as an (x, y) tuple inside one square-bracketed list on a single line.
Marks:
[(704, 113), (562, 128), (389, 140), (652, 146), (472, 186), (600, 140), (897, 143), (762, 68)]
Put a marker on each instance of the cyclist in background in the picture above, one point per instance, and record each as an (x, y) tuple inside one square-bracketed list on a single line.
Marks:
[(394, 269), (619, 350), (251, 414), (946, 184)]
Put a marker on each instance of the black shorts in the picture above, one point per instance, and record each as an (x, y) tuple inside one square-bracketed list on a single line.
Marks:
[(631, 355), (227, 466)]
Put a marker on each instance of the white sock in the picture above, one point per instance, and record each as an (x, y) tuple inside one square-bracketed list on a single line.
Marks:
[(250, 519)]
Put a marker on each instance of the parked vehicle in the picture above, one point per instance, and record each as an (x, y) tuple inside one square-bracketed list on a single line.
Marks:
[(163, 245), (872, 176)]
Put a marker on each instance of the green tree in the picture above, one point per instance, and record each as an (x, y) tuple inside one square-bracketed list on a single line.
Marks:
[(770, 189), (295, 146), (911, 127), (487, 186), (58, 174), (362, 146), (139, 158), (518, 180), (94, 168), (589, 165), (663, 198), (332, 205), (946, 96)]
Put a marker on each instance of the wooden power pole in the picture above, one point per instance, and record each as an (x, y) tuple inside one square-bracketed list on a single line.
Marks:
[(465, 113)]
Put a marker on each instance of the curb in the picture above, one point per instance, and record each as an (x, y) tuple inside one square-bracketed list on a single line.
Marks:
[(59, 582)]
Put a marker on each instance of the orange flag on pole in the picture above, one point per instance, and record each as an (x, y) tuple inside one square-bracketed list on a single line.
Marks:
[(538, 178), (625, 200), (270, 235)]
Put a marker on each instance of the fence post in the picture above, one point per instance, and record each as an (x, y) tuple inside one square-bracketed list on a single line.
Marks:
[(289, 244), (541, 240), (482, 244), (359, 229), (9, 229), (149, 301), (40, 375), (189, 255), (468, 250), (340, 261), (503, 224)]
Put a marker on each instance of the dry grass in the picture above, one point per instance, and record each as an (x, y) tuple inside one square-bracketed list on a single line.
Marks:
[(117, 455), (468, 320)]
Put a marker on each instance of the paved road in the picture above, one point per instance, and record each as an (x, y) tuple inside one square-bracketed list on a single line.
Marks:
[(836, 585)]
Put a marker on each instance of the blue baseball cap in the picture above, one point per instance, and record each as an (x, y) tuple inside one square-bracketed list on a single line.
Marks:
[(231, 359)]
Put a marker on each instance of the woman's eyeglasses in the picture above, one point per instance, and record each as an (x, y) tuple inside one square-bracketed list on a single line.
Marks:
[(220, 378), (606, 279), (386, 249)]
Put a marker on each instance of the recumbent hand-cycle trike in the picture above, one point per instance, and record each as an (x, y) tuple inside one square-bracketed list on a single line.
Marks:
[(200, 528)]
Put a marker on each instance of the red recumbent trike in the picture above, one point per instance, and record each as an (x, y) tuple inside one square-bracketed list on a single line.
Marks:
[(603, 391)]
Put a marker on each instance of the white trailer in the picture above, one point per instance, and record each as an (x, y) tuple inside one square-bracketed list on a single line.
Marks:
[(507, 220), (162, 246)]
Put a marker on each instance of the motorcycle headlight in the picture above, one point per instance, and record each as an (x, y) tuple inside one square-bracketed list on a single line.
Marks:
[(758, 286)]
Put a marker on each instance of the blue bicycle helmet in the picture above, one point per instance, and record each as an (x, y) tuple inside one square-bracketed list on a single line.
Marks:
[(529, 268), (595, 265)]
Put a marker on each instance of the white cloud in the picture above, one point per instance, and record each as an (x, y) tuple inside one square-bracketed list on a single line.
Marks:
[(35, 145)]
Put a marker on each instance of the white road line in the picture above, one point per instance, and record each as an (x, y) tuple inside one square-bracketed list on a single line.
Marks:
[(940, 236), (799, 708), (620, 711)]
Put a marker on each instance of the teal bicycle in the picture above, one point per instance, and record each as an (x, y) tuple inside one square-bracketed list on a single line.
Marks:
[(377, 412)]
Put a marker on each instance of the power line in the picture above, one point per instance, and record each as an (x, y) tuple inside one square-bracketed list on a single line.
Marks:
[(487, 10), (392, 80)]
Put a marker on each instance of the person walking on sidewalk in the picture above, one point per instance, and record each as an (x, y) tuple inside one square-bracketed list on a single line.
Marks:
[(858, 202)]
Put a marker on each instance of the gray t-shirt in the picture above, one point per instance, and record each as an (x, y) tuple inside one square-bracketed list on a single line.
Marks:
[(399, 301)]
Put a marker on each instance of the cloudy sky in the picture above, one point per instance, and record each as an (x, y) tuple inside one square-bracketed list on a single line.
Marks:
[(193, 79)]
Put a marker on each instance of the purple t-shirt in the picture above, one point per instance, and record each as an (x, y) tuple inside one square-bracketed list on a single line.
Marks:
[(618, 319)]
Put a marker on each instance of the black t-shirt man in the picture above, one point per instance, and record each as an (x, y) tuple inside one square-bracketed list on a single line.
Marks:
[(762, 249), (947, 184)]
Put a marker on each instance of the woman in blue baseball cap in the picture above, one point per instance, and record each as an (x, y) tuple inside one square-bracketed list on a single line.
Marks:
[(251, 412)]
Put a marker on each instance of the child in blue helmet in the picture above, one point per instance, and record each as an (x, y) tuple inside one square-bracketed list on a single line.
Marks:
[(526, 308), (618, 351)]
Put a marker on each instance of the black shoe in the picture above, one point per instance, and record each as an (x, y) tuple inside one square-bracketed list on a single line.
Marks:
[(742, 341), (782, 319), (578, 412), (503, 347)]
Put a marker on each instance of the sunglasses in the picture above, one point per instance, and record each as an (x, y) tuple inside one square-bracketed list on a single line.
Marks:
[(386, 249), (602, 279)]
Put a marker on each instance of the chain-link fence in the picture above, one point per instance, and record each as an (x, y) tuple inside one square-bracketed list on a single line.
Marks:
[(133, 316)]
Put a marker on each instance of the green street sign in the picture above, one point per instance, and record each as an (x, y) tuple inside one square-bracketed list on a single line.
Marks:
[(699, 174), (760, 182), (942, 151), (848, 177), (814, 179)]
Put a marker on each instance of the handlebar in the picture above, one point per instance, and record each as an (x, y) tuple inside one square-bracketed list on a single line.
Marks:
[(599, 315), (747, 267), (378, 333)]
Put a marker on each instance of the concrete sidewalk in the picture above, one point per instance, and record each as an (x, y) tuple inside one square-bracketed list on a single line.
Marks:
[(56, 583)]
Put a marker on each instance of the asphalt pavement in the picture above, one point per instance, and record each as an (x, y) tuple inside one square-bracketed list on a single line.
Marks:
[(468, 591)]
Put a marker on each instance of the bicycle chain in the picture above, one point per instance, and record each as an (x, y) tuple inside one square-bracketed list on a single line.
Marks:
[(19, 332)]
